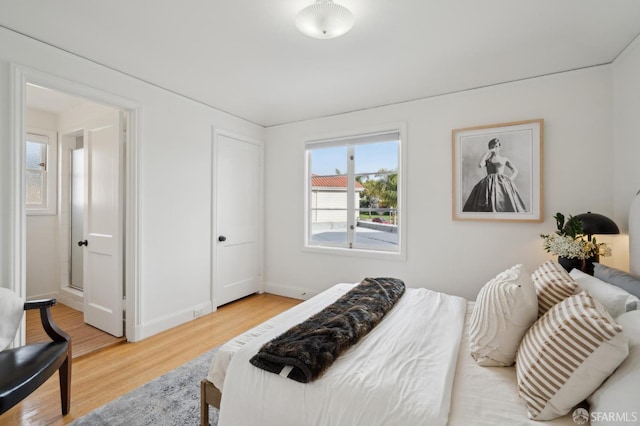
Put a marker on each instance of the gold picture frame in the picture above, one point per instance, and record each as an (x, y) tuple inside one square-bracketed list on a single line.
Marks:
[(497, 172)]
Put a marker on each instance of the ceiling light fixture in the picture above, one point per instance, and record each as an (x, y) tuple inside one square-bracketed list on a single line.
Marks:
[(324, 19)]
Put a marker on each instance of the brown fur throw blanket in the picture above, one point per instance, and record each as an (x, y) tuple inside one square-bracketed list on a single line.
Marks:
[(306, 350)]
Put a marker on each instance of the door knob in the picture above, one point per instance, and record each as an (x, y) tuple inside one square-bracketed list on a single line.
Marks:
[(222, 238), (83, 243)]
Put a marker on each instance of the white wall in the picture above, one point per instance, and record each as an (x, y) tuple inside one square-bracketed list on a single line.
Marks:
[(175, 180), (7, 249), (42, 236), (626, 133), (582, 165), (445, 255)]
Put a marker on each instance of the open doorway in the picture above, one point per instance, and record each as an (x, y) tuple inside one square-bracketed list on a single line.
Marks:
[(74, 202)]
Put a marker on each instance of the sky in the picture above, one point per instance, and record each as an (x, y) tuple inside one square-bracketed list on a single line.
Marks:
[(369, 158)]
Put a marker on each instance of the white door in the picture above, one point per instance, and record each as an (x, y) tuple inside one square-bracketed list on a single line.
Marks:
[(103, 223), (238, 218)]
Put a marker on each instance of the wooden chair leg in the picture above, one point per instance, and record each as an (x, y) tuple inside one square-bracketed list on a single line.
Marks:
[(65, 384), (204, 406)]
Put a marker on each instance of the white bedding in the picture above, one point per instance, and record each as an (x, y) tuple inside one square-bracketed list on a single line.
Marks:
[(406, 384), (486, 396), (286, 319), (400, 373)]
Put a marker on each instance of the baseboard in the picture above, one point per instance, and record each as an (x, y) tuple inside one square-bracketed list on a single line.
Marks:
[(72, 298), (49, 295), (288, 291), (172, 320)]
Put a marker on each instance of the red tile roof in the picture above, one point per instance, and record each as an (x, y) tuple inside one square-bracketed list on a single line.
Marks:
[(331, 182)]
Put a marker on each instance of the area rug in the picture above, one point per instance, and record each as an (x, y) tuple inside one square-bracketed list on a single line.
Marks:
[(171, 399)]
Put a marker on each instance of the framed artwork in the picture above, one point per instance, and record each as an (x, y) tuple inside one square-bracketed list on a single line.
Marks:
[(497, 172)]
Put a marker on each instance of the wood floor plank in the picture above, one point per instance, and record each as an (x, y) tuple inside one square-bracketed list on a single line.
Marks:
[(86, 339), (100, 377)]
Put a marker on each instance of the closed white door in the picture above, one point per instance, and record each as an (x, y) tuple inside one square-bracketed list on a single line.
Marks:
[(103, 223), (238, 217)]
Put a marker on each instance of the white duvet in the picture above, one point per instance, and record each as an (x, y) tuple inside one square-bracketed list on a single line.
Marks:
[(401, 373)]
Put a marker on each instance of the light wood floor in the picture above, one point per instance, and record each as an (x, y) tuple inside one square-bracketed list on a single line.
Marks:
[(102, 376), (86, 339)]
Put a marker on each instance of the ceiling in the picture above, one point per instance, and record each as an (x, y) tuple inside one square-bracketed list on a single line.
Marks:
[(246, 57)]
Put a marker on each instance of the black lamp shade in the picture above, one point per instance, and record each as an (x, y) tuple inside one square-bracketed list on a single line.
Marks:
[(594, 223)]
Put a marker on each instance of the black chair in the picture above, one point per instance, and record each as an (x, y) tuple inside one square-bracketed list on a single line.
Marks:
[(24, 369)]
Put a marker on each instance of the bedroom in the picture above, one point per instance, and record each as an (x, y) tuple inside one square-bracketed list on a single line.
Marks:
[(590, 132)]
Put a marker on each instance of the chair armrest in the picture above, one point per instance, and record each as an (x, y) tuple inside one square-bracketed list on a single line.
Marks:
[(52, 329), (37, 304)]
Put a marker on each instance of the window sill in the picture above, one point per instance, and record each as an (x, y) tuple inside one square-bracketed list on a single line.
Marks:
[(360, 253), (41, 212)]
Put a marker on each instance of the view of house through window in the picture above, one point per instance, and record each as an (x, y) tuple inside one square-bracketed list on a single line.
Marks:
[(40, 172), (353, 192), (36, 171)]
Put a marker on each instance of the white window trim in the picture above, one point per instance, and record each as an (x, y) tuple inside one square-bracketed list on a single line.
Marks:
[(52, 172), (401, 254)]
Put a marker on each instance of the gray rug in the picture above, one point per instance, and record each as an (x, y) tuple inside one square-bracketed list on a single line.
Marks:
[(171, 399)]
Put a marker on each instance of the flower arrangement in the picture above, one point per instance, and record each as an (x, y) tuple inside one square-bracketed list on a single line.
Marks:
[(568, 241)]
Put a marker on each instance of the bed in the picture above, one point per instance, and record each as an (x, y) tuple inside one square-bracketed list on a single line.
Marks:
[(423, 366)]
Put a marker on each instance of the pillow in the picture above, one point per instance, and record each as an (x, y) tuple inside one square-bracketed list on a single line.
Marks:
[(566, 355), (11, 310), (613, 298), (619, 394), (630, 323), (504, 310), (618, 278), (552, 284)]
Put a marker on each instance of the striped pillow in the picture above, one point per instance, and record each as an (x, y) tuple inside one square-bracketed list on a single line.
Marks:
[(552, 284), (504, 310), (566, 355)]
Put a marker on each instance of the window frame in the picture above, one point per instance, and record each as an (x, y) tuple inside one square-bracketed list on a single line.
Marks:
[(50, 139), (343, 139)]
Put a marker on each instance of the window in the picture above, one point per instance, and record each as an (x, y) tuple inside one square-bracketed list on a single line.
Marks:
[(40, 172), (353, 193)]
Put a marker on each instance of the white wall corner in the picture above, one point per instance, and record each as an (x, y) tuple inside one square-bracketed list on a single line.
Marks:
[(626, 52)]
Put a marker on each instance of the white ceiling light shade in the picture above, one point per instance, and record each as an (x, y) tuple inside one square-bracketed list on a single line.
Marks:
[(324, 19)]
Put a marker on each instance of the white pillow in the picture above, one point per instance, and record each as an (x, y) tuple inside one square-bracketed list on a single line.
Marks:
[(614, 299), (11, 311), (566, 355), (504, 310), (630, 322), (619, 394)]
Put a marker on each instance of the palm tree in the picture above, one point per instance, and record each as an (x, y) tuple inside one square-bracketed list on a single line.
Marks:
[(382, 189), (389, 189)]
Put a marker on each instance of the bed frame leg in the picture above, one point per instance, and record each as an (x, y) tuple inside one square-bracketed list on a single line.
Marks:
[(204, 406)]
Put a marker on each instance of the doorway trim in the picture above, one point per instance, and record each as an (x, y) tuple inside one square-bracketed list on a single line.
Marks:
[(20, 77)]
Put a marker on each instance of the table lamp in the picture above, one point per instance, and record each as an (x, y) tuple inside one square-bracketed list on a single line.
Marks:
[(594, 223)]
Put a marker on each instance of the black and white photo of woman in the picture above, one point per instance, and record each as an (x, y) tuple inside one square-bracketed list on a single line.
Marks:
[(497, 191)]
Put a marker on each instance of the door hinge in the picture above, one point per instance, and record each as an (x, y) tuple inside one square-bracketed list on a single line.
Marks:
[(124, 304)]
